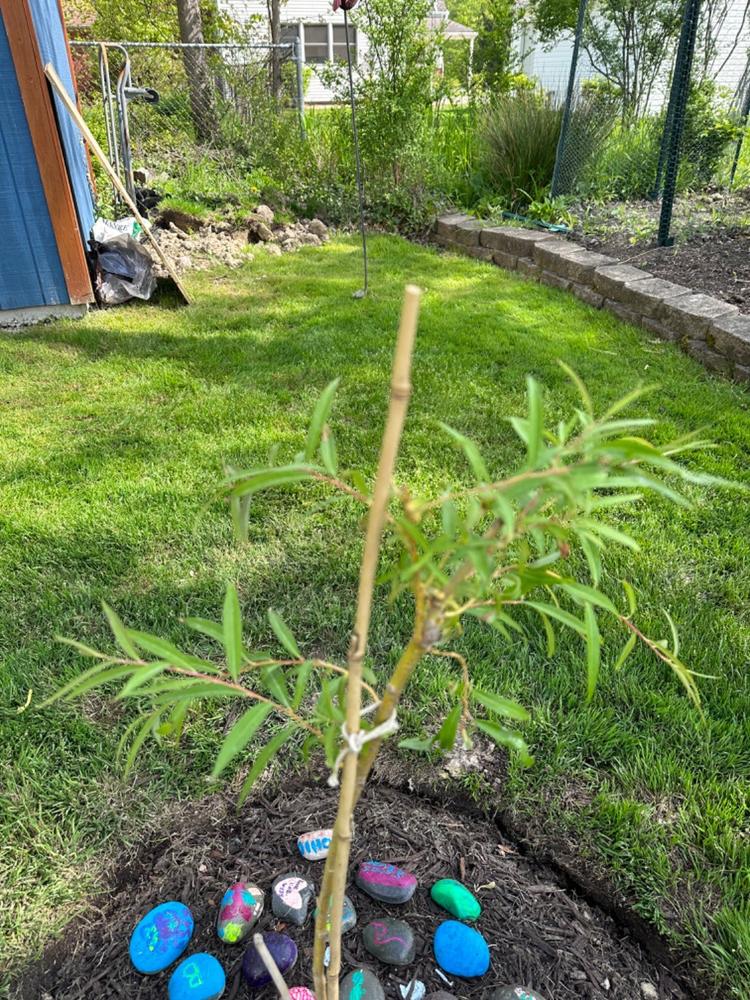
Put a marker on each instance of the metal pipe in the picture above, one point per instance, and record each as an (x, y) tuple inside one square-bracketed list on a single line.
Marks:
[(357, 162), (184, 45), (565, 125), (300, 88)]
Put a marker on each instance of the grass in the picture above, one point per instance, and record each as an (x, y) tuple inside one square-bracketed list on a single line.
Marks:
[(114, 433)]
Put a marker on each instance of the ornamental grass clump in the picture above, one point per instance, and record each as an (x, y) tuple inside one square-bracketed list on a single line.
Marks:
[(503, 549)]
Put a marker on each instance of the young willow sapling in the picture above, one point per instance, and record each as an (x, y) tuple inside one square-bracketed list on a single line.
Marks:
[(502, 550)]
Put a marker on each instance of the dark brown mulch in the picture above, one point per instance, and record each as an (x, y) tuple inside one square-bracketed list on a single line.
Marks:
[(540, 933), (716, 262)]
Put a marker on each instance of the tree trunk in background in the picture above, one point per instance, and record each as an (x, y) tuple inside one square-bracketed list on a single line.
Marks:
[(196, 69), (274, 21)]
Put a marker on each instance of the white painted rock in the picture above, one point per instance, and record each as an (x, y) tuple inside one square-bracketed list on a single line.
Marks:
[(314, 846)]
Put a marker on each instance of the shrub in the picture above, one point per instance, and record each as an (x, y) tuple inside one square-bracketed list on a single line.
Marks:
[(625, 166), (709, 131)]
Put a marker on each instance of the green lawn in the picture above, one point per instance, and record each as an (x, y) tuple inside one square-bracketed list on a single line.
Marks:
[(113, 438)]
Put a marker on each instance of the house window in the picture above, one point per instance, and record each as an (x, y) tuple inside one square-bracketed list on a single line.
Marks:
[(316, 43), (289, 34), (339, 43)]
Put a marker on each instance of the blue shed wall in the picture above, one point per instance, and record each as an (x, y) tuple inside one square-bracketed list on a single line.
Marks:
[(30, 270), (52, 45)]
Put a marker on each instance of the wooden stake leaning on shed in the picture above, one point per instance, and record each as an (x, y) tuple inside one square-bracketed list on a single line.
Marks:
[(98, 152)]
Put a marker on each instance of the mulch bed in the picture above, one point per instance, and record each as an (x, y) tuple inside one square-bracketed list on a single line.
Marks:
[(715, 262), (541, 932)]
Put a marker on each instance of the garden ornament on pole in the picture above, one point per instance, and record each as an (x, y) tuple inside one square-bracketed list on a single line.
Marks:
[(346, 6)]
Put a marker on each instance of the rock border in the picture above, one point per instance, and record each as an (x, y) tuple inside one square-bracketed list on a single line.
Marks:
[(711, 331)]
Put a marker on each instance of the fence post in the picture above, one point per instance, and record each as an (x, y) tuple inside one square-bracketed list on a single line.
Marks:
[(744, 114), (680, 90), (565, 124), (300, 88)]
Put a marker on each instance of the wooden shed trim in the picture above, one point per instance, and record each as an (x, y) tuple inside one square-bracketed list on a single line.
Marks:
[(40, 115)]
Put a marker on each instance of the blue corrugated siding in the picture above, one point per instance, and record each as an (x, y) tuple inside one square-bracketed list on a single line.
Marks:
[(52, 46), (30, 269)]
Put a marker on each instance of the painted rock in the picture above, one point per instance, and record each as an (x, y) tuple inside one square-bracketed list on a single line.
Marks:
[(314, 846), (456, 899), (440, 995), (392, 941), (361, 985), (199, 977), (385, 882), (515, 993), (413, 990), (300, 993), (290, 897), (239, 910), (460, 950), (283, 951), (348, 916), (161, 937)]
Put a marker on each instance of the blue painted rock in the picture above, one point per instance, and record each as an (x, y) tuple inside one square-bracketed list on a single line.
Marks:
[(239, 910), (199, 977), (385, 882), (290, 897), (283, 951), (392, 941), (361, 985), (314, 846), (300, 993), (456, 899), (515, 993), (460, 950), (413, 990), (161, 937), (348, 916)]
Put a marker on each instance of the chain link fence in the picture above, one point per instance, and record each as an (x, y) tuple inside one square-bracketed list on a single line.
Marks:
[(192, 120), (655, 114)]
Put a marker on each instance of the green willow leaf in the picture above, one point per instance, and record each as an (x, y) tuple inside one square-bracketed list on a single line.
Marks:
[(508, 738), (240, 735), (625, 652), (232, 629), (630, 594), (212, 629), (170, 653), (120, 632), (283, 634), (564, 617), (446, 735), (501, 706), (593, 651), (263, 759), (319, 417), (300, 688), (149, 724), (550, 633), (329, 454), (535, 422), (416, 743), (266, 480), (472, 453), (274, 679), (141, 676)]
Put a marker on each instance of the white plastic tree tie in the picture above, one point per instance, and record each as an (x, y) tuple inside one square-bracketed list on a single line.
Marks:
[(354, 742)]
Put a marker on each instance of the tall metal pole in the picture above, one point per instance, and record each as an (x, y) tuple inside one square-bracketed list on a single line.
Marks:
[(357, 162), (681, 89), (555, 187), (669, 117), (300, 88), (744, 114)]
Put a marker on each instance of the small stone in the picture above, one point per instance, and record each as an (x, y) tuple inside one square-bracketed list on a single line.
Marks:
[(649, 991), (361, 985), (392, 941), (456, 899), (348, 916), (300, 993), (515, 993), (440, 995), (318, 228), (283, 951), (315, 845), (199, 977), (239, 911), (161, 937), (461, 950), (273, 249), (290, 898), (385, 882), (309, 239), (265, 214), (414, 990)]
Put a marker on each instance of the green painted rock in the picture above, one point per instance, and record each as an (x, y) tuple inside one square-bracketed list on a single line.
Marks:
[(456, 899), (515, 993)]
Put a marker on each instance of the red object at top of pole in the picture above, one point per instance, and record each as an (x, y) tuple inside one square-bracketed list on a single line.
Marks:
[(344, 4)]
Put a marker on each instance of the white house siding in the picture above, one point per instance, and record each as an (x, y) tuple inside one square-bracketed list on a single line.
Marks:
[(550, 65), (299, 12)]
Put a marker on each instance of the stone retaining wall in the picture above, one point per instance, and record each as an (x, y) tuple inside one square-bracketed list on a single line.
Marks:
[(709, 330)]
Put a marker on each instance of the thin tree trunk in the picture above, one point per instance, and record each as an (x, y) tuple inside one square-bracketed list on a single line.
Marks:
[(196, 69), (274, 21)]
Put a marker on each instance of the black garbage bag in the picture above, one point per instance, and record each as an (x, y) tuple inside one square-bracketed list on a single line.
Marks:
[(124, 270)]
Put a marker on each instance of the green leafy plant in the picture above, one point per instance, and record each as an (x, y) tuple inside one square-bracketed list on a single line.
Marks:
[(508, 551)]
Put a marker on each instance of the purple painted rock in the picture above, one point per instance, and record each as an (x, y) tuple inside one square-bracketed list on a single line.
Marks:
[(392, 941), (515, 993), (385, 882), (240, 908), (283, 951), (361, 985), (290, 898)]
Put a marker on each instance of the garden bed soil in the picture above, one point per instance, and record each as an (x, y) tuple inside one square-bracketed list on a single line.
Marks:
[(542, 933)]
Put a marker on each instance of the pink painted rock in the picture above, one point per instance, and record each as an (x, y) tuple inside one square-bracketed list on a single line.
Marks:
[(301, 993), (239, 910), (385, 882)]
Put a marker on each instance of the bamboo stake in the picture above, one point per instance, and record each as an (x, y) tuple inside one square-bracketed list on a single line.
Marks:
[(273, 969), (331, 900), (109, 170)]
